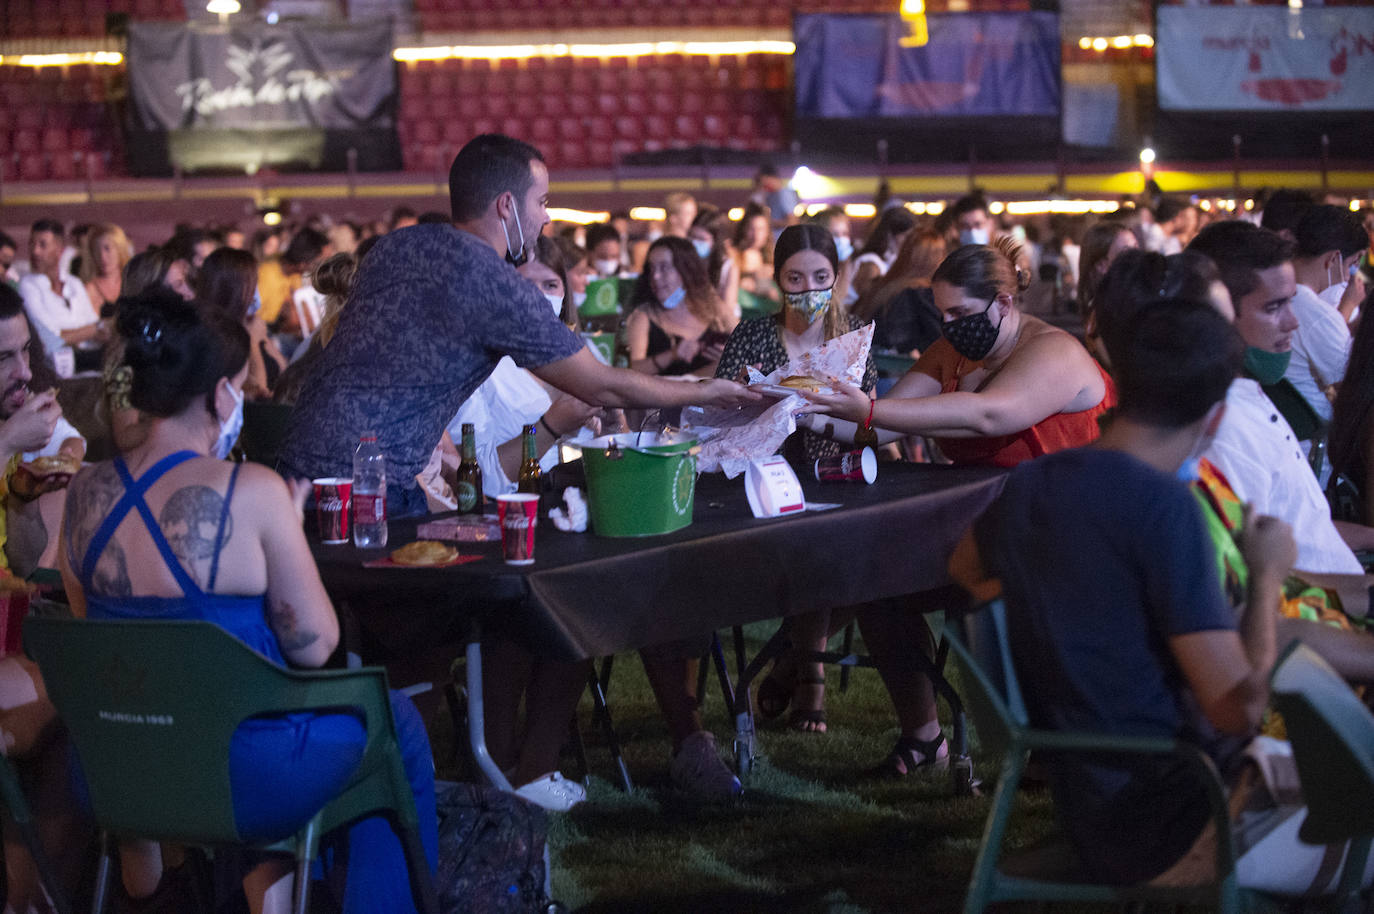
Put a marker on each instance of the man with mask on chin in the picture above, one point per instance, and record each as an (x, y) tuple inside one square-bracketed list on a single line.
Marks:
[(433, 309), (1329, 241), (1255, 448)]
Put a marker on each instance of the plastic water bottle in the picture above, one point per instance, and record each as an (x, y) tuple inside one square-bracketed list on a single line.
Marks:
[(369, 494)]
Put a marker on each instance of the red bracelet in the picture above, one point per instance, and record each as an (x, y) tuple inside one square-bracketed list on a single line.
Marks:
[(868, 423)]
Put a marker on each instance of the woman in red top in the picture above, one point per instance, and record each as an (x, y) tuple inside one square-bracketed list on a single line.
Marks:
[(999, 387)]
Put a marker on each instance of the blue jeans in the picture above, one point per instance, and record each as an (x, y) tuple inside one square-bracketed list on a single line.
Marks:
[(366, 869)]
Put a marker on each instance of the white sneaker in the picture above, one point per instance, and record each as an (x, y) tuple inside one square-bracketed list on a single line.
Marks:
[(698, 770), (553, 792)]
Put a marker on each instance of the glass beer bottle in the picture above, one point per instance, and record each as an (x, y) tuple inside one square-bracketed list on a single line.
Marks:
[(468, 482), (529, 465)]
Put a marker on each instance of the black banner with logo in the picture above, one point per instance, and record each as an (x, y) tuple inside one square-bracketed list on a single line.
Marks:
[(241, 98)]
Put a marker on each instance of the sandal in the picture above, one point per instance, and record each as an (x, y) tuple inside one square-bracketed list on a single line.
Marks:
[(809, 720), (774, 695), (911, 753)]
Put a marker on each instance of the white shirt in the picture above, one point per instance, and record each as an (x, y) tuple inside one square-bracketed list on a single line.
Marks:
[(60, 433), (53, 312), (1258, 453), (1321, 348), (508, 400)]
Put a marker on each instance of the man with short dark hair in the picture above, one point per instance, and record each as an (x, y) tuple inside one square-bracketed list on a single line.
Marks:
[(970, 218), (1330, 240), (57, 302), (1256, 448), (1118, 623), (433, 308)]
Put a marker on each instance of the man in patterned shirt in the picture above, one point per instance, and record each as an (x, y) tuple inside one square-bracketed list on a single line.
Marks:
[(433, 309)]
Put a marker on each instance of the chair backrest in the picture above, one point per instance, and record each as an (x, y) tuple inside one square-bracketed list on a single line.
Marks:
[(152, 707), (264, 430), (1332, 734), (980, 644)]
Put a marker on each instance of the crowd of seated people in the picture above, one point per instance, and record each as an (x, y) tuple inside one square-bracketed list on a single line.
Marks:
[(185, 329)]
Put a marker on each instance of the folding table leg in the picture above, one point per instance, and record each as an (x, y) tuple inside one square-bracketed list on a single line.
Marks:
[(601, 711), (737, 700), (477, 734)]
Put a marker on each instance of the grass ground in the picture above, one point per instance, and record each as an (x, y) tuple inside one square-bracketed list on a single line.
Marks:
[(810, 834)]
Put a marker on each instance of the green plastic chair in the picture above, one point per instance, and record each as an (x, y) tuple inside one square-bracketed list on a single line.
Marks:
[(1333, 744), (151, 707), (980, 645)]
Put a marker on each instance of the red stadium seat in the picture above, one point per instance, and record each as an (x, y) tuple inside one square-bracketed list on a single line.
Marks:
[(572, 155), (628, 128), (469, 107), (62, 167), (600, 153), (714, 127), (579, 105), (634, 103), (55, 139), (425, 133), (497, 106), (542, 131), (456, 133), (513, 126), (32, 168), (600, 128), (665, 103), (25, 142), (571, 128), (689, 127)]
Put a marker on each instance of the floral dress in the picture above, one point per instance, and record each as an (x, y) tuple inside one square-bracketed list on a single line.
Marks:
[(759, 343)]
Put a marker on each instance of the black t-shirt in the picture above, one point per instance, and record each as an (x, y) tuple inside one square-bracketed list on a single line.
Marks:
[(1103, 559)]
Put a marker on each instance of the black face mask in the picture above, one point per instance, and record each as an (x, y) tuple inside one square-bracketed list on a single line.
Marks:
[(972, 335)]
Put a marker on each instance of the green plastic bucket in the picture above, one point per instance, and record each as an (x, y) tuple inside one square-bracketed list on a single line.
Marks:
[(640, 484)]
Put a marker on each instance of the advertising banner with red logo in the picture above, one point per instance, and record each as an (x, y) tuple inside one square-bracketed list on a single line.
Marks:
[(1266, 58)]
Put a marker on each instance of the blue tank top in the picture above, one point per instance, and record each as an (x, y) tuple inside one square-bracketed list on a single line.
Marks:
[(242, 616)]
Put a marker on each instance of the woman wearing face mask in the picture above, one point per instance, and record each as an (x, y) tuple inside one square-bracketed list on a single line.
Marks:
[(169, 530), (805, 264), (710, 235), (876, 256), (998, 388), (680, 323)]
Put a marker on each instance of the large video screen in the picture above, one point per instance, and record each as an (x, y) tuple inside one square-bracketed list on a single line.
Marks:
[(975, 64)]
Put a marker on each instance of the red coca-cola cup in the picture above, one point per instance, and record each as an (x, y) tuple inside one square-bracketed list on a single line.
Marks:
[(518, 513), (851, 466), (333, 507)]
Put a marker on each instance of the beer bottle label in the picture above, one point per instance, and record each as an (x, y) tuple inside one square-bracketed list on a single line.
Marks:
[(467, 496)]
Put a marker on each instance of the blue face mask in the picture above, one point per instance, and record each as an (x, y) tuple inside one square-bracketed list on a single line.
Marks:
[(1189, 470), (256, 304), (844, 249), (672, 301), (703, 248)]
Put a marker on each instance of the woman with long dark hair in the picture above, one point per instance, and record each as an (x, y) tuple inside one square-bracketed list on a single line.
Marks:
[(228, 279), (680, 323), (805, 264)]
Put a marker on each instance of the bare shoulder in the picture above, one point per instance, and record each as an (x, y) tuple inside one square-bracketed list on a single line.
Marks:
[(260, 482), (1048, 341)]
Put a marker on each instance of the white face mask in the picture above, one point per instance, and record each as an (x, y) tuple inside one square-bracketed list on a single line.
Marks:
[(557, 302), (973, 236), (703, 247), (579, 299), (229, 428), (515, 258), (606, 267), (1332, 294)]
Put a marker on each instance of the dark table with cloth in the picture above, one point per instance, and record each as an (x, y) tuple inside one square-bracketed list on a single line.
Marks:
[(589, 596)]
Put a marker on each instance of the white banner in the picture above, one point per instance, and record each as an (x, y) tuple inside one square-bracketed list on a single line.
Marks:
[(1269, 58)]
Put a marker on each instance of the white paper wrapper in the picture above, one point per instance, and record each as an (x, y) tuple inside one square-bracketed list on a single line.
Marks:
[(730, 438)]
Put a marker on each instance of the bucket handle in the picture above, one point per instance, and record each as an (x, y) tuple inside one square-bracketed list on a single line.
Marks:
[(690, 451)]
